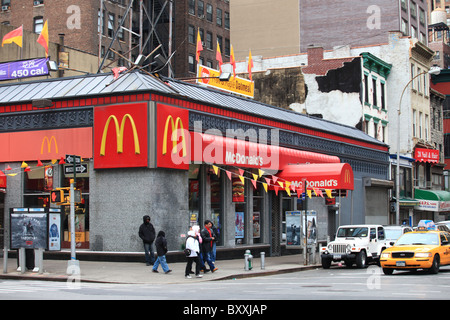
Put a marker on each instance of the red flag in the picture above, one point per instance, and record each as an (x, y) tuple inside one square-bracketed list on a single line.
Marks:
[(199, 46), (219, 56), (43, 38), (250, 65), (14, 36), (233, 61)]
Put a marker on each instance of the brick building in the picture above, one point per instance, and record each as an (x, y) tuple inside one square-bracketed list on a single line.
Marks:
[(212, 19), (358, 23), (81, 23)]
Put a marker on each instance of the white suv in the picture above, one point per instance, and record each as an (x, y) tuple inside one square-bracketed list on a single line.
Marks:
[(355, 244)]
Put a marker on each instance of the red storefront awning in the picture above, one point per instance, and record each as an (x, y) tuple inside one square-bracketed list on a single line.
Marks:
[(336, 176), (426, 155), (235, 152)]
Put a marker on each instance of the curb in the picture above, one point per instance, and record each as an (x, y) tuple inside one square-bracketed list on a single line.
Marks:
[(65, 278)]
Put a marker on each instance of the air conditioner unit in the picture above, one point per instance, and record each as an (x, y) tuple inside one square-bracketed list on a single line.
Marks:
[(5, 8), (37, 2)]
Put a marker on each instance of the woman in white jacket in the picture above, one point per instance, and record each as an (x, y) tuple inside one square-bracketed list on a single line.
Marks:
[(193, 245)]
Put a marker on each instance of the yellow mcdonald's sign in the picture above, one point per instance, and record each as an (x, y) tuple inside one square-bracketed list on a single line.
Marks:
[(347, 176), (119, 134), (175, 125), (49, 144)]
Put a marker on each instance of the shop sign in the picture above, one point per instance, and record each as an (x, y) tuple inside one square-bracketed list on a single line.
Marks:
[(426, 155), (45, 144), (23, 69), (121, 136), (210, 77), (436, 206), (173, 138)]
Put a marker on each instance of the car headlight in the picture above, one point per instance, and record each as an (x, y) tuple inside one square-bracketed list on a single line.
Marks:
[(349, 248), (423, 254), (385, 255), (330, 247)]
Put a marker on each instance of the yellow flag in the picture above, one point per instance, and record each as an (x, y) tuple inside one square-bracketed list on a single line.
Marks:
[(255, 176), (328, 191), (216, 169), (309, 193), (24, 164), (242, 179), (288, 191), (260, 172), (265, 186)]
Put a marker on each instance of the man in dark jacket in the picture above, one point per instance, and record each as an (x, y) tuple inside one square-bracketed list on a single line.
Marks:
[(208, 238), (147, 234), (161, 250)]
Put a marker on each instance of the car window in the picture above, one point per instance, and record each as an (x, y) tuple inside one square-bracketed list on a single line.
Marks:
[(373, 233), (380, 233), (422, 238), (352, 232)]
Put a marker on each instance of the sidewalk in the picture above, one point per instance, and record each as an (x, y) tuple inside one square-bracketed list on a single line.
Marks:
[(135, 272)]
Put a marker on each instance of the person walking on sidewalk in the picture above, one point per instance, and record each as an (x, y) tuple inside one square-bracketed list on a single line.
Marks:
[(192, 244), (147, 234), (161, 250), (208, 240)]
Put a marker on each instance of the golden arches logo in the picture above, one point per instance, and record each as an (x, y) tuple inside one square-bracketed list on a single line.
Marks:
[(175, 125), (347, 176), (49, 144), (119, 134)]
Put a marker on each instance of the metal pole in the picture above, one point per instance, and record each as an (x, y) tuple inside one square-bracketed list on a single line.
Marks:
[(5, 259), (170, 35), (72, 221)]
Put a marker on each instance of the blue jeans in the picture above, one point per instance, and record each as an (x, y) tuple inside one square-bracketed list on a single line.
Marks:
[(149, 254), (207, 256), (161, 260)]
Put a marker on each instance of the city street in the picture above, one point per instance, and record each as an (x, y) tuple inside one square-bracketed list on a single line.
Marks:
[(337, 283)]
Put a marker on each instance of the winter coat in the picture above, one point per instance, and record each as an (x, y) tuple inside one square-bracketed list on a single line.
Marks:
[(207, 243), (147, 231), (161, 244), (192, 244)]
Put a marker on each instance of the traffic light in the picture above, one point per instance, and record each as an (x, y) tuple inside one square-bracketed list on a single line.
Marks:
[(57, 196), (61, 196)]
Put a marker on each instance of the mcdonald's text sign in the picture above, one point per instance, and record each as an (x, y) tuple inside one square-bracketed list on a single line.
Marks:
[(121, 136), (173, 137)]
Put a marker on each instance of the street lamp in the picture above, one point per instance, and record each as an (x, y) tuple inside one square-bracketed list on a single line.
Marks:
[(434, 70)]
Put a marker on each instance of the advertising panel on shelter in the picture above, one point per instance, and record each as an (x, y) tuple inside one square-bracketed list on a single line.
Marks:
[(121, 136)]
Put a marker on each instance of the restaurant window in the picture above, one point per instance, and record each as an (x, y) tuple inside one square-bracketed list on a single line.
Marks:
[(81, 209), (194, 195), (216, 202), (37, 184)]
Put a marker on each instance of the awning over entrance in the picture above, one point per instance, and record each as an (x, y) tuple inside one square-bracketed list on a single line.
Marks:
[(336, 176), (432, 200), (246, 154)]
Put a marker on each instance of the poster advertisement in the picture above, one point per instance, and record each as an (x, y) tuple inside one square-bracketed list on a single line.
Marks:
[(239, 225), (293, 228), (54, 234), (311, 220), (256, 225), (238, 190), (28, 228)]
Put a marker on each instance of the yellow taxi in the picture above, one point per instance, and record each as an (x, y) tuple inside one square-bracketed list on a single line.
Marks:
[(420, 249)]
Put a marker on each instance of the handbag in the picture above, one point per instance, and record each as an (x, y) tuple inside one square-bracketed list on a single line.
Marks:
[(187, 252)]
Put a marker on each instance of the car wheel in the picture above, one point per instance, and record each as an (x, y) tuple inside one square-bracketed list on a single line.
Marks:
[(388, 271), (435, 266), (361, 259), (326, 263)]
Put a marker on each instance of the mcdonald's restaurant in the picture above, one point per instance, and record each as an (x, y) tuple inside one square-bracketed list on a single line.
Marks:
[(182, 154)]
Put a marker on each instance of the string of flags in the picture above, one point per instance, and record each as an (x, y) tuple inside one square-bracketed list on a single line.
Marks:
[(26, 168), (278, 183)]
